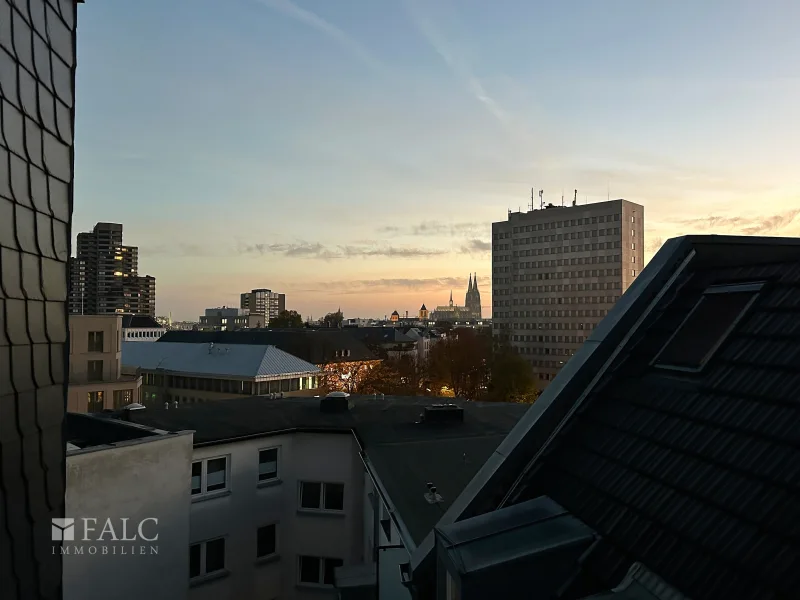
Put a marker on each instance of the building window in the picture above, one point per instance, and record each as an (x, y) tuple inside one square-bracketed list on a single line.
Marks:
[(94, 370), (318, 571), (707, 326), (633, 272), (95, 341), (267, 541), (122, 398), (268, 464), (206, 558), (321, 496), (209, 475), (95, 402)]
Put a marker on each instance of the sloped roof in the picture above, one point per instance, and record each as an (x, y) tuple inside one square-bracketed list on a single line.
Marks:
[(380, 335), (693, 473), (317, 346), (236, 360), (140, 322)]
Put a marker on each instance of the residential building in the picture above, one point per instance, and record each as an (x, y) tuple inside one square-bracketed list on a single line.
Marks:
[(96, 381), (105, 275), (188, 373), (341, 357), (225, 318), (263, 302), (288, 495), (557, 272), (141, 328), (133, 479), (661, 462), (386, 342), (452, 312), (37, 103)]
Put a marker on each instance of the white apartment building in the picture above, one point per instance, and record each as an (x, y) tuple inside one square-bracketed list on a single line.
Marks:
[(306, 498)]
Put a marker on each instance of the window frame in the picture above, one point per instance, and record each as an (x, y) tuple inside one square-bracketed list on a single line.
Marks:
[(277, 476), (322, 568), (92, 339), (204, 573), (91, 374), (204, 491), (276, 541), (323, 493), (733, 288)]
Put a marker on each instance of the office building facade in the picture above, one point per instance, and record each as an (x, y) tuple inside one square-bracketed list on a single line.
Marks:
[(556, 272), (37, 93), (105, 275)]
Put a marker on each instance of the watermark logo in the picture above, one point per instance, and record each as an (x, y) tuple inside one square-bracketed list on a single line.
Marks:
[(63, 530), (107, 536)]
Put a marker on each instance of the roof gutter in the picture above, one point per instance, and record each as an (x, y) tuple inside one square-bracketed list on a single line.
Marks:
[(394, 515)]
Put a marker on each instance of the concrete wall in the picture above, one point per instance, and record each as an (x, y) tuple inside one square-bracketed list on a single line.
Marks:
[(78, 394), (238, 514), (79, 354), (121, 482)]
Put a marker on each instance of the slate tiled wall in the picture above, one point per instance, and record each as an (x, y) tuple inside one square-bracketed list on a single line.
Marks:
[(37, 83)]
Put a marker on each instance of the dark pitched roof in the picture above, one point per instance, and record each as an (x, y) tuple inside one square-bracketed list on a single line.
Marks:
[(404, 454), (694, 473), (140, 322), (315, 346), (376, 336)]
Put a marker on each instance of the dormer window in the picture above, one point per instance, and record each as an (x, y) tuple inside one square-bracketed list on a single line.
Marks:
[(707, 326)]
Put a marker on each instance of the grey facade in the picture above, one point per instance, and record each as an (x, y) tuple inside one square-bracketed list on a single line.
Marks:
[(556, 273), (37, 92), (105, 275)]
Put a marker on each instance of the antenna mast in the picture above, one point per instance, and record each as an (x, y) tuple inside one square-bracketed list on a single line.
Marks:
[(531, 205), (541, 199), (562, 196), (575, 199)]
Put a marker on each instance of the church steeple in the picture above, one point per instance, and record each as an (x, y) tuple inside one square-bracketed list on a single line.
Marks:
[(469, 287), (451, 297)]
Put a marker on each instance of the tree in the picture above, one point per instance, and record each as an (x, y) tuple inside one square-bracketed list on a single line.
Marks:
[(460, 363), (511, 378), (333, 319), (287, 318)]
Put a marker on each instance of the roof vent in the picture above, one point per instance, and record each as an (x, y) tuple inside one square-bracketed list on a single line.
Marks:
[(334, 402), (443, 413), (432, 497)]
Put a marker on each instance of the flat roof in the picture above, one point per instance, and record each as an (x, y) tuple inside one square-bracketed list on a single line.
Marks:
[(403, 453)]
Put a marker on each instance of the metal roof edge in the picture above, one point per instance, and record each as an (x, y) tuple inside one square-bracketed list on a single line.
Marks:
[(559, 398)]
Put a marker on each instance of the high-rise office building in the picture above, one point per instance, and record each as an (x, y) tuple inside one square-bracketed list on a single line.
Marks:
[(263, 302), (37, 118), (105, 275), (557, 271)]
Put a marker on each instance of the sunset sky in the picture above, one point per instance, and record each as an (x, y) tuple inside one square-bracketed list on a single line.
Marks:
[(354, 153)]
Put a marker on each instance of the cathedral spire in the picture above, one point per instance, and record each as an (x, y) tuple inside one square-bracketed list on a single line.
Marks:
[(451, 297), (475, 282), (469, 287)]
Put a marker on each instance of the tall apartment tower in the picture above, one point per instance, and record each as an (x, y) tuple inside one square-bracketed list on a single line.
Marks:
[(37, 104), (556, 272), (105, 275), (263, 302)]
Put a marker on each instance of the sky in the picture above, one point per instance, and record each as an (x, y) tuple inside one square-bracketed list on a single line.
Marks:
[(353, 153)]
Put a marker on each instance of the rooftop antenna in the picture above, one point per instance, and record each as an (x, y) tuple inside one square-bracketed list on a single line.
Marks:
[(562, 196), (575, 199), (541, 199), (608, 191), (532, 196)]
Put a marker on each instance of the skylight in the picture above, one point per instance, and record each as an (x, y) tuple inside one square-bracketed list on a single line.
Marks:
[(707, 326)]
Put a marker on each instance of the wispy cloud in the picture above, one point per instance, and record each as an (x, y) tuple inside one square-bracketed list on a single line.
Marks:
[(750, 225), (453, 59), (314, 21), (359, 286), (475, 246), (653, 245), (321, 252), (438, 229)]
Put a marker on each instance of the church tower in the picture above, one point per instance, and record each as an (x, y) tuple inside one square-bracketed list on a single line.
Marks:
[(476, 297)]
